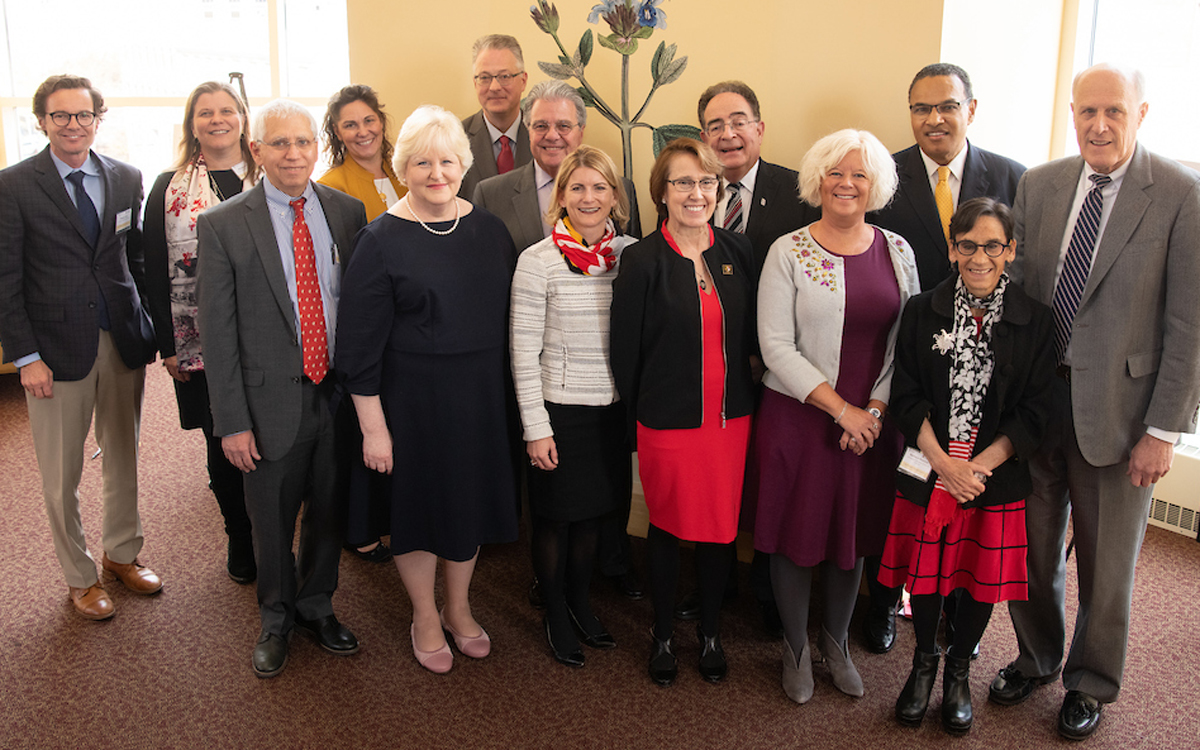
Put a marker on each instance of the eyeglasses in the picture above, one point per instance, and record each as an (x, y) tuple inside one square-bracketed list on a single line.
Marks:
[(562, 127), (738, 125), (945, 109), (687, 184), (283, 144), (484, 80), (991, 249), (63, 119)]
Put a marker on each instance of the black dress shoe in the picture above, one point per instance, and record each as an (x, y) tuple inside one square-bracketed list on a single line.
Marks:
[(689, 607), (333, 636), (377, 554), (270, 654), (914, 698), (628, 585), (957, 715), (772, 625), (239, 559), (713, 666), (663, 664), (1011, 686), (879, 629), (593, 636), (571, 656), (536, 600), (1079, 715)]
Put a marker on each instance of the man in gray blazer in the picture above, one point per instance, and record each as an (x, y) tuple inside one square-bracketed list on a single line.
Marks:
[(73, 321), (499, 139), (270, 264), (556, 117), (1109, 239)]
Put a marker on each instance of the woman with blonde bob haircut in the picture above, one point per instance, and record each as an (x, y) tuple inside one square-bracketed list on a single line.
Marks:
[(829, 300), (421, 345), (573, 420)]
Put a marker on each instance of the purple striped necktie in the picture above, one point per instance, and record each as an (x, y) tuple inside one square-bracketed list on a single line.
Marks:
[(1073, 279)]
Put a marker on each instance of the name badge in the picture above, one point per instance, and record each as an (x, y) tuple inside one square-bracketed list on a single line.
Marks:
[(915, 464), (124, 218), (726, 269)]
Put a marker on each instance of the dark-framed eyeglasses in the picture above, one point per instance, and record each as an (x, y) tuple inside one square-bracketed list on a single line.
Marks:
[(484, 80), (991, 249), (63, 119), (687, 184), (716, 128), (562, 127), (945, 109)]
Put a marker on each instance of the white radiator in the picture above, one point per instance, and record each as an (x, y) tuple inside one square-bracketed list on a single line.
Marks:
[(1176, 502)]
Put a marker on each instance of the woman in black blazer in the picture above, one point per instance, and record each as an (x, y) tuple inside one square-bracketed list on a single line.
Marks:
[(971, 392)]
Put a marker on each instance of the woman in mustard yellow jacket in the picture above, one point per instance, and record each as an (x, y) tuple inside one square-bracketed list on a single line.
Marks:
[(359, 150)]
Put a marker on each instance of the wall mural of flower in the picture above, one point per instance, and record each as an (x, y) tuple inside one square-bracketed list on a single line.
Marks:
[(628, 21)]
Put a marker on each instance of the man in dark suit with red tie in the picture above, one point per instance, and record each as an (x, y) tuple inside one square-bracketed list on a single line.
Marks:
[(73, 321)]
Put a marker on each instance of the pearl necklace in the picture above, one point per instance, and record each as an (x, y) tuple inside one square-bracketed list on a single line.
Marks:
[(428, 228)]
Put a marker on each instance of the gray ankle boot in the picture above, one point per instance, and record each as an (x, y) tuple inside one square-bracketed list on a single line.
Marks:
[(797, 673), (837, 657)]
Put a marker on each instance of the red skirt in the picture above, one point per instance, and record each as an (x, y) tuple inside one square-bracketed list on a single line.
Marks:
[(982, 551)]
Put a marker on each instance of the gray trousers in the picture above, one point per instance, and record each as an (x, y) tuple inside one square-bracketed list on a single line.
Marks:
[(1109, 519)]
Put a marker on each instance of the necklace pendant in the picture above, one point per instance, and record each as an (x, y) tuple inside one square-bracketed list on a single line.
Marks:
[(703, 285)]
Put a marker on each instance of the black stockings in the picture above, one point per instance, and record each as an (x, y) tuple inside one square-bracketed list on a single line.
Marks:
[(712, 571)]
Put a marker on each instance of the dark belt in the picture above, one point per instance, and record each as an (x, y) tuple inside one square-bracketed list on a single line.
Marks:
[(1064, 372)]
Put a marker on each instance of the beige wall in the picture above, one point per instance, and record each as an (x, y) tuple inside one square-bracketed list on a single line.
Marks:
[(816, 66)]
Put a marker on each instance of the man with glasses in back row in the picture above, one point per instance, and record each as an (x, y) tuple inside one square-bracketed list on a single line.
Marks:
[(73, 320), (499, 139)]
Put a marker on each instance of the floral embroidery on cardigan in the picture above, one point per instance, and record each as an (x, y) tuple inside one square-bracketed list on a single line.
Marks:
[(814, 262)]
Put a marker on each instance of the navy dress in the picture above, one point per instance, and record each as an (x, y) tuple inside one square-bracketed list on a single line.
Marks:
[(422, 322)]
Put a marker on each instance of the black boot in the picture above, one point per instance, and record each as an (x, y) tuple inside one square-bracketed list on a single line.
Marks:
[(713, 666), (956, 695), (663, 665), (914, 698)]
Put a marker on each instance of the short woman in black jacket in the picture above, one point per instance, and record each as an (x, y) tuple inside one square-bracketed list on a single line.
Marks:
[(971, 389), (682, 338)]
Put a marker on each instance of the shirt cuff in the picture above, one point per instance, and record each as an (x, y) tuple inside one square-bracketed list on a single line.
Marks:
[(1164, 435), (28, 359)]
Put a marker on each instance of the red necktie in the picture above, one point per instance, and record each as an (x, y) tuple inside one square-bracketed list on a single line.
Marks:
[(505, 161), (308, 296)]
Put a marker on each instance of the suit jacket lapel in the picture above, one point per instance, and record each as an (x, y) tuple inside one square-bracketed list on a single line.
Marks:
[(914, 187), (108, 222), (976, 181), (481, 143), (765, 190), (262, 233), (525, 203), (1056, 209), (52, 184), (1127, 212)]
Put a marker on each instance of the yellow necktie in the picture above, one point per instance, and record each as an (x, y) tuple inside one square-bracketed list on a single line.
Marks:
[(945, 202)]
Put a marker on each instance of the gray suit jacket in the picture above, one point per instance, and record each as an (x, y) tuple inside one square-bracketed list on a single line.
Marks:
[(252, 354), (485, 160), (52, 278), (1135, 343), (513, 198)]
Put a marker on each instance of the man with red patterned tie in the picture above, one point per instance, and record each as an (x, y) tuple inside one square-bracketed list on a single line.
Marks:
[(499, 139), (270, 266)]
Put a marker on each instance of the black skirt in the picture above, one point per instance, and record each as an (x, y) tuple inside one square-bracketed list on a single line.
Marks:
[(594, 475)]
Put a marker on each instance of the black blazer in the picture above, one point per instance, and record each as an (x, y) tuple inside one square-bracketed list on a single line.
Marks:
[(1018, 402), (52, 278), (776, 209), (913, 215), (656, 346)]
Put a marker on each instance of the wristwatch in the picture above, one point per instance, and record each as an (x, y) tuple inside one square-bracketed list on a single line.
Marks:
[(875, 413)]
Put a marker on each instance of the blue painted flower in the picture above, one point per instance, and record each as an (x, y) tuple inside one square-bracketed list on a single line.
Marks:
[(649, 14), (603, 9)]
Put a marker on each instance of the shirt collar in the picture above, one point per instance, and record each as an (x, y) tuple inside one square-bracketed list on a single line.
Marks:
[(1116, 175), (89, 167), (541, 177), (957, 164), (496, 132), (277, 200), (749, 179)]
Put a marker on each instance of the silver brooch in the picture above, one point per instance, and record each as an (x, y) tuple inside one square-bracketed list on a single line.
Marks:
[(943, 341)]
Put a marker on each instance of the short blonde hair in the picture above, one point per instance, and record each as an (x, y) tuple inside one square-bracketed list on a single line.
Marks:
[(591, 158), (431, 129), (829, 151), (709, 164)]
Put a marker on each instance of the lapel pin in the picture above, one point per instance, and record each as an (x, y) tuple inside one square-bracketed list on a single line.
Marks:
[(762, 201), (726, 269)]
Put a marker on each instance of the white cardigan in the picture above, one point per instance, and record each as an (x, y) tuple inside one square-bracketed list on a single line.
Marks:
[(558, 335), (802, 308)]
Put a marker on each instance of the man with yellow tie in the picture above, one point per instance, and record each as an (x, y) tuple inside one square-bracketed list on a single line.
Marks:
[(936, 174)]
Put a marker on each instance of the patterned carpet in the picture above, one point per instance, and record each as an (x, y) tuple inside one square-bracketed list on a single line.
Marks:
[(173, 671)]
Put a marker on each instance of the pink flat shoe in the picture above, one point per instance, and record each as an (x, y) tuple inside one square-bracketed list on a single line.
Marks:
[(438, 662), (476, 648)]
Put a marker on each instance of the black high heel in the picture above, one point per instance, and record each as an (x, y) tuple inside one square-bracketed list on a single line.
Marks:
[(663, 665), (570, 658)]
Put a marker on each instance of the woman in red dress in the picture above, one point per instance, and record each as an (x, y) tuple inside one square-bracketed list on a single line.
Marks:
[(971, 390), (682, 341)]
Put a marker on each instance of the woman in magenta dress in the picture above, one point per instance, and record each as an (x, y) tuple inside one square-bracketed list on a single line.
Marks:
[(974, 371), (682, 341), (829, 299)]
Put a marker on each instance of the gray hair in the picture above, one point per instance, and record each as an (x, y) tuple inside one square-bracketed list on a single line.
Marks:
[(431, 129), (553, 91), (280, 109), (826, 153), (1134, 76), (498, 41)]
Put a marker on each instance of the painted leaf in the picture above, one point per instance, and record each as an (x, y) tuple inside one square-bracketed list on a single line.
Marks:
[(588, 99), (585, 48), (673, 71), (561, 72), (664, 134)]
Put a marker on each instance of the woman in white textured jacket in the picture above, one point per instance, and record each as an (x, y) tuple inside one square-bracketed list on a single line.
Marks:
[(829, 299), (573, 422)]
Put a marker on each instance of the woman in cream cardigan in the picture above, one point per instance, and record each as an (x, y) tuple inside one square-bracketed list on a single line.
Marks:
[(356, 126), (829, 298)]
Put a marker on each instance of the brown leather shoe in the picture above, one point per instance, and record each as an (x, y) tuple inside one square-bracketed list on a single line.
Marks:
[(92, 603), (137, 577)]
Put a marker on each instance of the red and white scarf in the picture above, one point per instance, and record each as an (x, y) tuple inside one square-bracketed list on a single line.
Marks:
[(592, 260)]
